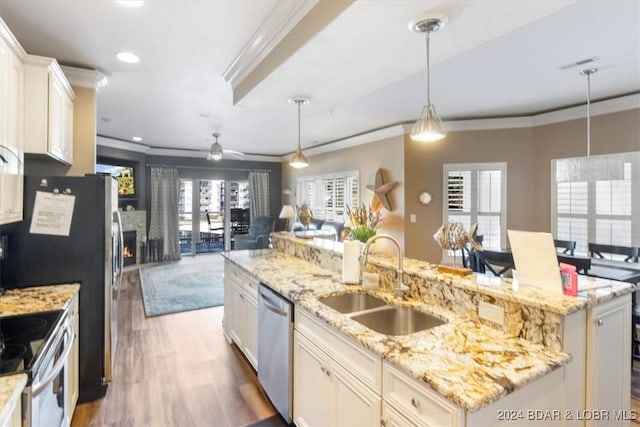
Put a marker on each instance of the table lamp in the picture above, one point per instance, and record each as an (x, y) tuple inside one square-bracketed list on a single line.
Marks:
[(287, 213)]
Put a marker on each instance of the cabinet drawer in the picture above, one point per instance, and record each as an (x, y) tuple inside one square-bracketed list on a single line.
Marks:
[(363, 364), (417, 401), (245, 281)]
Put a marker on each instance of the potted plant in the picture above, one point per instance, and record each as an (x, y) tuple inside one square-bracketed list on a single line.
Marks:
[(363, 222)]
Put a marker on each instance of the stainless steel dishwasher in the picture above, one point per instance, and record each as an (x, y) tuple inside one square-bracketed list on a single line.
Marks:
[(275, 339)]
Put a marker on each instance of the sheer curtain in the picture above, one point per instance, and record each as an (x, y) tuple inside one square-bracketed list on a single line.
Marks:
[(164, 243), (259, 193)]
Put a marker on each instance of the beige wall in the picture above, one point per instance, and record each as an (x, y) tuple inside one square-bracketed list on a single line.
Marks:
[(84, 131), (387, 154), (424, 164), (610, 133), (527, 151)]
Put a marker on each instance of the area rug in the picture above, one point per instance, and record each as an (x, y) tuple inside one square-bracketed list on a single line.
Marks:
[(177, 287)]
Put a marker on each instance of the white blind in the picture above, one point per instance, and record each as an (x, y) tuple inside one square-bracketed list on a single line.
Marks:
[(476, 192), (596, 209), (327, 195)]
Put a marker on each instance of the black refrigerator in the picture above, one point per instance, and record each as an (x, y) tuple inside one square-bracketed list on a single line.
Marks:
[(91, 254)]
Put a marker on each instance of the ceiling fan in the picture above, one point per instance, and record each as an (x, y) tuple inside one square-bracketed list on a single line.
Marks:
[(216, 152)]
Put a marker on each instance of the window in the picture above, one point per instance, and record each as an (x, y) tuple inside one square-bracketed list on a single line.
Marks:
[(476, 192), (327, 195), (593, 200)]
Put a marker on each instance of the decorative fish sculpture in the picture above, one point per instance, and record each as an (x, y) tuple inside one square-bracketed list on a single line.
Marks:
[(453, 236)]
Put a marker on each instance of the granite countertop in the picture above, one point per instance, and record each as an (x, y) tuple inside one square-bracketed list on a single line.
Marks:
[(10, 390), (28, 301), (600, 290), (36, 299), (469, 363)]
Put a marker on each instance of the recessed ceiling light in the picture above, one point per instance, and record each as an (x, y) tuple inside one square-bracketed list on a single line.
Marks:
[(136, 139), (128, 57), (131, 3)]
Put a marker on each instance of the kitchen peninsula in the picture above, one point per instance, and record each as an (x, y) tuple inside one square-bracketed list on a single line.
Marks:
[(540, 352)]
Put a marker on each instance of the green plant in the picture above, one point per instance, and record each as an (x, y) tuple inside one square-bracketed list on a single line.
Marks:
[(363, 222)]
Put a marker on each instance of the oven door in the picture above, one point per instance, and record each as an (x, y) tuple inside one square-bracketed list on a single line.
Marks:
[(47, 392)]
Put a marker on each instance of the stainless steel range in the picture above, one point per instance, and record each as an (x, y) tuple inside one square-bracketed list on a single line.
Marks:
[(38, 345)]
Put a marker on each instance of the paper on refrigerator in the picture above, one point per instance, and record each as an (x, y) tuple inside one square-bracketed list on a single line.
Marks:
[(52, 214)]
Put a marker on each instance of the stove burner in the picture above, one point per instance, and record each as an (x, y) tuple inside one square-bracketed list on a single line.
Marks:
[(12, 358)]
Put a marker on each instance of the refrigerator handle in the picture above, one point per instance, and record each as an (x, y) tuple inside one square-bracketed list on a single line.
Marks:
[(121, 248)]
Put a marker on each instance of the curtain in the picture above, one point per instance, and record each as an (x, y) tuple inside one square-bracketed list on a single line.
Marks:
[(259, 193), (164, 243)]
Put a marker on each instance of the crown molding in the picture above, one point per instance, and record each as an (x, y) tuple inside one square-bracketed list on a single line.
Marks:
[(82, 77), (54, 68), (609, 106), (353, 141), (11, 41), (281, 20), (173, 152)]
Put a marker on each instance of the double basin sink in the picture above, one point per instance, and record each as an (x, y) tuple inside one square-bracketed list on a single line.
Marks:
[(376, 314)]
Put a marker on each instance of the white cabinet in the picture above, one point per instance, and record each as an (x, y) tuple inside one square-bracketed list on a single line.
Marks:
[(418, 402), (325, 393), (608, 378), (48, 110), (11, 127), (335, 382), (15, 419), (241, 311), (72, 367)]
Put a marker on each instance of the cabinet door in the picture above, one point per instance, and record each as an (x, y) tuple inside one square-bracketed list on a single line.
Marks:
[(393, 418), (609, 358), (237, 316), (310, 384), (11, 135), (56, 103), (251, 331), (353, 404), (228, 309)]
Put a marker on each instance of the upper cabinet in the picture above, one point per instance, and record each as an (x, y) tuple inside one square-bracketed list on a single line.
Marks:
[(48, 110), (11, 126)]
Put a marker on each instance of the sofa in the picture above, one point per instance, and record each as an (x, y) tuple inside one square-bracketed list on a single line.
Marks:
[(258, 237)]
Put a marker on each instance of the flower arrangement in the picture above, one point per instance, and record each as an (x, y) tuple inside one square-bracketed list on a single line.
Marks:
[(363, 222)]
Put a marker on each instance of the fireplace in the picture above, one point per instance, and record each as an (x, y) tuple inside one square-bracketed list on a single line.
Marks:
[(129, 247)]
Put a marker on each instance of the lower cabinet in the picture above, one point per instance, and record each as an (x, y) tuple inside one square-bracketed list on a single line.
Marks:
[(327, 393), (241, 311), (608, 376)]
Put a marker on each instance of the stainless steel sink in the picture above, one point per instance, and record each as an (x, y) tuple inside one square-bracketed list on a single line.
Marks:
[(397, 320), (351, 303)]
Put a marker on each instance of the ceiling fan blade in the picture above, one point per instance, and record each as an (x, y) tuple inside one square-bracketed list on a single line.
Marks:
[(233, 154)]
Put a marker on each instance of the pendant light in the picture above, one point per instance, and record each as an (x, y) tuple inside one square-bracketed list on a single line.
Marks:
[(588, 73), (215, 152), (429, 127), (299, 160)]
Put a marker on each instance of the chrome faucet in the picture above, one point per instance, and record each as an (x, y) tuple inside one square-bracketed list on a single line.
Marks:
[(400, 288)]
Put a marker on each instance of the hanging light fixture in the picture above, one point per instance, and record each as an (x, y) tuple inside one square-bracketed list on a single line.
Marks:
[(299, 160), (215, 152), (429, 127), (589, 168)]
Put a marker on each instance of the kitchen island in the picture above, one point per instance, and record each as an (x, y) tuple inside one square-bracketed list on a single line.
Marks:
[(469, 361), (26, 301)]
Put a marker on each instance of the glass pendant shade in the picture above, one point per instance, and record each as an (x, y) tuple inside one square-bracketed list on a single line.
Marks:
[(429, 127), (215, 153), (299, 160)]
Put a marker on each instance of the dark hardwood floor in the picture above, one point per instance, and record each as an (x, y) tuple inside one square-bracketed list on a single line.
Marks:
[(174, 370)]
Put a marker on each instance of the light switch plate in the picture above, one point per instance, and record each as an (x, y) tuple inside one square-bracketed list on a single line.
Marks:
[(491, 312), (412, 217)]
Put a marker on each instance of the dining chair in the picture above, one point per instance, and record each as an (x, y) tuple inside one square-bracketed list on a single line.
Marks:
[(498, 262)]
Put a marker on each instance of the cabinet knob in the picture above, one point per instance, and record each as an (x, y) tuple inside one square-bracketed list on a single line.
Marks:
[(600, 322), (415, 403), (383, 422)]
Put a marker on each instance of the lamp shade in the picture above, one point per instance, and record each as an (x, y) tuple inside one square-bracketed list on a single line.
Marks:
[(215, 153), (287, 212), (429, 127), (299, 160)]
